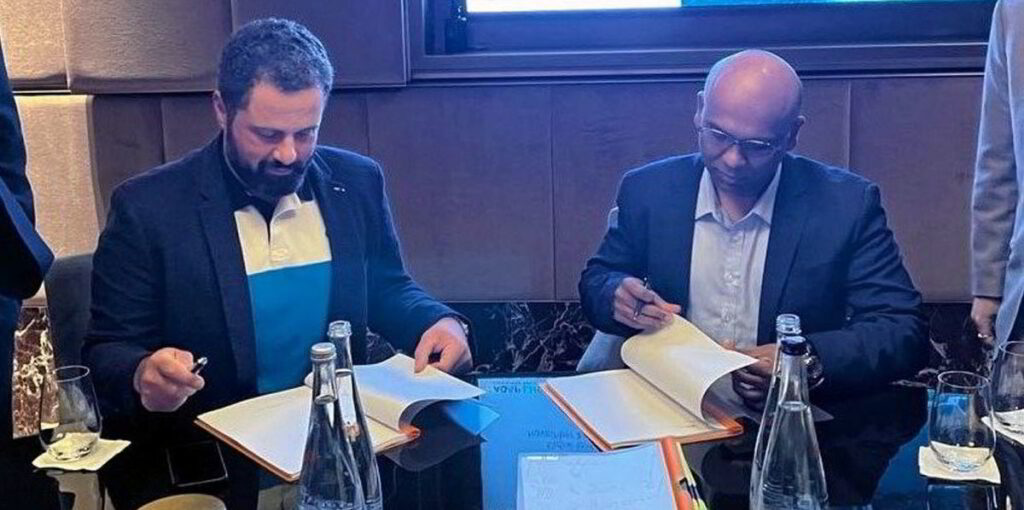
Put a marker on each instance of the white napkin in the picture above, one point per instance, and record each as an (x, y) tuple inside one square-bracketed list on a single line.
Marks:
[(931, 467), (102, 451), (1001, 429)]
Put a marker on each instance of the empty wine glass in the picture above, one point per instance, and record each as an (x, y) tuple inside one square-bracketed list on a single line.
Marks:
[(69, 419), (957, 431), (1008, 386)]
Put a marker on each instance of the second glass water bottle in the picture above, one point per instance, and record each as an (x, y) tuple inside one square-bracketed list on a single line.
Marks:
[(340, 334)]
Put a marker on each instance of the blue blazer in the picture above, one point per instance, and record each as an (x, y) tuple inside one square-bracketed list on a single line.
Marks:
[(168, 271), (24, 257), (831, 260)]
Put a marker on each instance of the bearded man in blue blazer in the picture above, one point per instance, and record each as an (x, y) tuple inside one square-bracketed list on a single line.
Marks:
[(742, 231), (244, 250), (24, 257)]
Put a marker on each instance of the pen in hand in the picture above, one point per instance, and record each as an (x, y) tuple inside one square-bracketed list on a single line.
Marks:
[(639, 302), (199, 365)]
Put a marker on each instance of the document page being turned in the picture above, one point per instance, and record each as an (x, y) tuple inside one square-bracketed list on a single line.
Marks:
[(393, 393), (663, 393)]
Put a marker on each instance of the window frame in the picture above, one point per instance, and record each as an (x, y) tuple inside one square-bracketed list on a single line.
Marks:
[(867, 38)]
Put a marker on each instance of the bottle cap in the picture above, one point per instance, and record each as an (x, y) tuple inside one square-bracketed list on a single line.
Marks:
[(788, 324), (322, 351), (339, 328)]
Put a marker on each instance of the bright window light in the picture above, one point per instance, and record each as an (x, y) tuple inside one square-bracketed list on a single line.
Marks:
[(565, 5)]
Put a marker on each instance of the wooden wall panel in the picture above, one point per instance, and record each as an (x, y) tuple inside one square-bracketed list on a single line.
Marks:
[(469, 173), (599, 132), (127, 137), (366, 40), (916, 138), (344, 123), (188, 123), (826, 134)]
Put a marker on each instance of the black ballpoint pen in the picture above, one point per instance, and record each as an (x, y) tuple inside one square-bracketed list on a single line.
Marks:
[(639, 302), (199, 365)]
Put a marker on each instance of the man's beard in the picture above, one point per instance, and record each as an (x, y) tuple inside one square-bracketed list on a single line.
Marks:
[(260, 182)]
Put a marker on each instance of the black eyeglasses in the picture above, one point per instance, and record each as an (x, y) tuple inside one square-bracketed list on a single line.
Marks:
[(719, 141)]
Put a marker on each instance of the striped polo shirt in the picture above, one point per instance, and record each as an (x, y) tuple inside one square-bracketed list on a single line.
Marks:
[(288, 265)]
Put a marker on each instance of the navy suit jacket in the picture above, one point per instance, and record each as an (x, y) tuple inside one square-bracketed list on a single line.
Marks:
[(24, 257), (168, 271), (831, 260)]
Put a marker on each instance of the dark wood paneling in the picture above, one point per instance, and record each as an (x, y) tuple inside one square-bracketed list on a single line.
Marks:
[(344, 122), (469, 173), (127, 136), (189, 123), (600, 132), (365, 40), (916, 138), (826, 134)]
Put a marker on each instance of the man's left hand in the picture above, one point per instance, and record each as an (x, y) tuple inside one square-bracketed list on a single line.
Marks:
[(446, 338), (752, 382)]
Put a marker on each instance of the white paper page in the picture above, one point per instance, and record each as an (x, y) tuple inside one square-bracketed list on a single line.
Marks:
[(392, 393), (635, 478), (624, 408), (681, 361), (274, 426)]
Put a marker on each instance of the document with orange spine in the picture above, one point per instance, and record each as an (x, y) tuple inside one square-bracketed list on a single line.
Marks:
[(663, 393), (271, 429)]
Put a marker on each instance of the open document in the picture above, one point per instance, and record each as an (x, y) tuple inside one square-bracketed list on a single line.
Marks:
[(271, 429), (663, 393)]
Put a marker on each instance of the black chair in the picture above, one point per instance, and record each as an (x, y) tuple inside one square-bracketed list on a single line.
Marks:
[(68, 294)]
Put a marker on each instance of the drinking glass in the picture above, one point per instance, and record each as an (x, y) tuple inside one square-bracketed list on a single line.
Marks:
[(1008, 386), (69, 419), (957, 431)]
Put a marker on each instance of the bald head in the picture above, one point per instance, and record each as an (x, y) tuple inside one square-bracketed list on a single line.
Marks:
[(748, 117), (758, 83)]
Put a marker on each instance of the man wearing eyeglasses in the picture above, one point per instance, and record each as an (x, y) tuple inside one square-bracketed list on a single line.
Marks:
[(742, 231)]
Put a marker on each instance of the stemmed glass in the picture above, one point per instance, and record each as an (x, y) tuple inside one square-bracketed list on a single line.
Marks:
[(1008, 386), (69, 418), (957, 431)]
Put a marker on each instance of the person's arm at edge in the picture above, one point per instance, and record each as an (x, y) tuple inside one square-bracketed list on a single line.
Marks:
[(617, 257), (995, 192), (26, 257)]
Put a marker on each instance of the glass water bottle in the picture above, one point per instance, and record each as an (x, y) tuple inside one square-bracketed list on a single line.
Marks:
[(786, 325), (329, 479), (340, 334), (793, 477)]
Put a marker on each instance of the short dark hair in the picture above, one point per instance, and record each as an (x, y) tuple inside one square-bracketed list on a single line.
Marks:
[(274, 50)]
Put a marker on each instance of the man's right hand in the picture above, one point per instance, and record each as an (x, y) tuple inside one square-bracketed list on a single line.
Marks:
[(654, 314), (983, 314), (164, 379)]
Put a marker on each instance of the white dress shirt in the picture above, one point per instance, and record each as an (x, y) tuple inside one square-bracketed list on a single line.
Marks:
[(727, 265)]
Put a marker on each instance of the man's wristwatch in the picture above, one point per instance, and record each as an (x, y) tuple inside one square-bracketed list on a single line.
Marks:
[(815, 372), (462, 323)]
